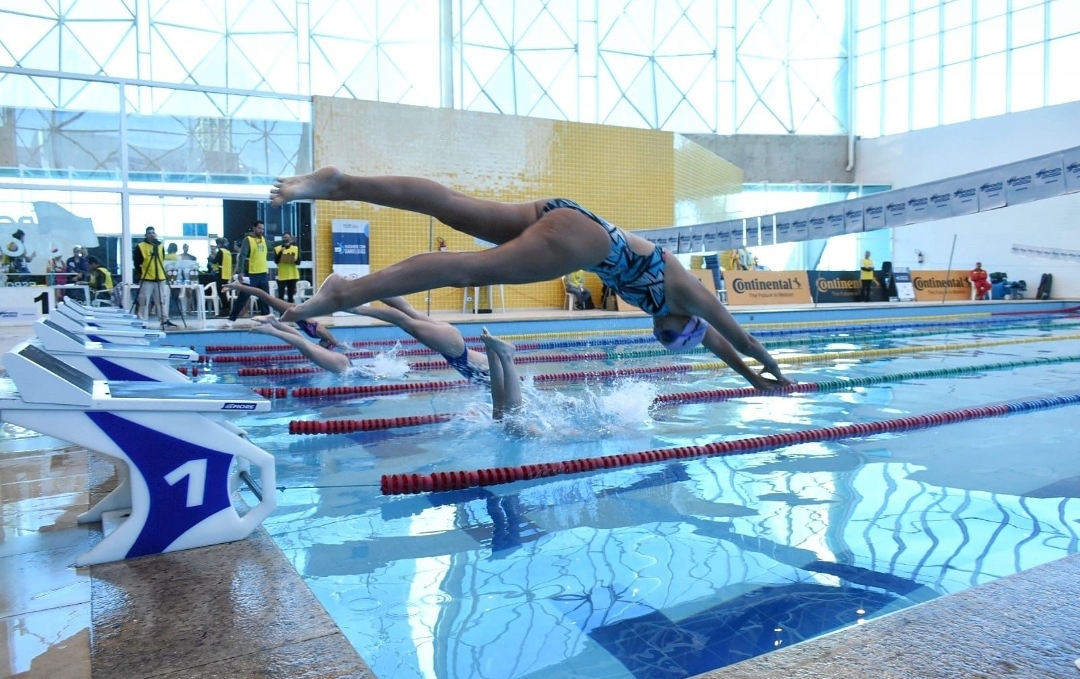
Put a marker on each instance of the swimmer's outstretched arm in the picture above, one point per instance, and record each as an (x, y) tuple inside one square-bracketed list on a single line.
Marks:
[(716, 343), (687, 296), (320, 356)]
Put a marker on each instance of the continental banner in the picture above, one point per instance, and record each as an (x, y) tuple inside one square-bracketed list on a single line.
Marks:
[(929, 285), (767, 287), (830, 287)]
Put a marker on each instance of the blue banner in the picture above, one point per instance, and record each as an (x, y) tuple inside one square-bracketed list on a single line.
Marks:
[(351, 256)]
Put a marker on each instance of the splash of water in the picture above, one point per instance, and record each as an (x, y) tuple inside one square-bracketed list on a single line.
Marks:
[(384, 365)]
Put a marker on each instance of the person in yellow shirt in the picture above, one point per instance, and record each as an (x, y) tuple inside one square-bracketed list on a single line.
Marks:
[(286, 256), (866, 277), (575, 285), (100, 279), (222, 266), (252, 262), (150, 275)]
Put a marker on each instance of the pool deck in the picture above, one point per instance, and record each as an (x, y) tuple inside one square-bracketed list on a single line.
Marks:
[(241, 609)]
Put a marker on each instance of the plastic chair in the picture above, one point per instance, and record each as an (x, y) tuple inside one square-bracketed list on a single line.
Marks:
[(303, 291), (210, 298), (571, 300), (102, 298)]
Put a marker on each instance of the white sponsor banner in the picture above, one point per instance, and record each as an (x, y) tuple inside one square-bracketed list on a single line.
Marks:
[(783, 227), (735, 227), (800, 225), (1034, 180), (684, 238), (918, 203), (940, 205), (853, 215), (834, 219), (723, 238), (873, 209), (1071, 162), (767, 231), (815, 222), (752, 236), (697, 239), (991, 189), (965, 195), (895, 208), (708, 238)]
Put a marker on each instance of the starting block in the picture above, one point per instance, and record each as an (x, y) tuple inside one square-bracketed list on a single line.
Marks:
[(106, 334), (183, 459), (93, 319), (128, 362)]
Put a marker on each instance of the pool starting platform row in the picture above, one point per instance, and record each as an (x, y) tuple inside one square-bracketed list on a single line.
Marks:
[(92, 377)]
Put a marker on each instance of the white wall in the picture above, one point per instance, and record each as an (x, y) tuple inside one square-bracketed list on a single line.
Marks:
[(950, 150)]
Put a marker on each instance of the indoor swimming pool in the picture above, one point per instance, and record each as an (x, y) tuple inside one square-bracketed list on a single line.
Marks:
[(680, 566)]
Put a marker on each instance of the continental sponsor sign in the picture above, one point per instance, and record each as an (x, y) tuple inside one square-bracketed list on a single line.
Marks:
[(767, 287), (929, 285), (843, 286)]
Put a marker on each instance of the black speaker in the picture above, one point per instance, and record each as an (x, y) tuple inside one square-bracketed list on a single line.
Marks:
[(888, 280)]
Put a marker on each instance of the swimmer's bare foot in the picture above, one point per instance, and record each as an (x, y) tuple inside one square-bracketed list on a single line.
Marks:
[(263, 329), (264, 319), (326, 301), (497, 345), (322, 183)]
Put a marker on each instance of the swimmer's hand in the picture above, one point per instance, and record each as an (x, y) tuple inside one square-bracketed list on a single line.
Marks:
[(776, 381)]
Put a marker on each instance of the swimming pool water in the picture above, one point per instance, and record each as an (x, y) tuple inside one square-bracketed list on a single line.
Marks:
[(671, 569)]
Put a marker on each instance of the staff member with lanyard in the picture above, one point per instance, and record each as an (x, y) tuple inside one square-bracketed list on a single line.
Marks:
[(150, 275), (252, 261), (286, 256)]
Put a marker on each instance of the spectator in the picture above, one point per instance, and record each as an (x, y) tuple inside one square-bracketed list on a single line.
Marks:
[(575, 285), (866, 277), (17, 257), (78, 269), (100, 280), (978, 278), (286, 257)]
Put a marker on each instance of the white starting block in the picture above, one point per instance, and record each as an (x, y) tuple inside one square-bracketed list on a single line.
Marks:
[(179, 451), (106, 334), (94, 319), (117, 362), (97, 310)]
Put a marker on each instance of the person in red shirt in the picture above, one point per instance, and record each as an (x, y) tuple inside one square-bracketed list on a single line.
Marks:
[(979, 278)]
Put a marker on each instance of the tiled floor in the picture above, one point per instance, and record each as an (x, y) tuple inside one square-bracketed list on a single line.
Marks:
[(240, 609)]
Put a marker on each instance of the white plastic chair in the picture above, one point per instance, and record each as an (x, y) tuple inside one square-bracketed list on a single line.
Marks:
[(102, 298), (303, 291), (571, 300), (210, 298)]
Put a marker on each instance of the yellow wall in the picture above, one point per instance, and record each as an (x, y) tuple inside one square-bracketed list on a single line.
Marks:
[(628, 176)]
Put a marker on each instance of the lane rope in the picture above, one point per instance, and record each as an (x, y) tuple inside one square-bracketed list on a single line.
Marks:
[(309, 427), (402, 484)]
